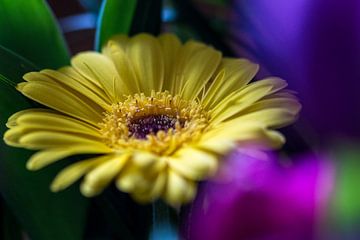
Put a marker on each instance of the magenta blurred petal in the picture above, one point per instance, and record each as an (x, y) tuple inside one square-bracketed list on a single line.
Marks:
[(255, 198), (314, 45)]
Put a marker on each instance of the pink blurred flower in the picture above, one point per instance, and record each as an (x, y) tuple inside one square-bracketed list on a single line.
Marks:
[(256, 198)]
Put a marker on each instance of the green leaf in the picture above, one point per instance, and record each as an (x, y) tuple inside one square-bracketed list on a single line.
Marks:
[(115, 18), (29, 29), (128, 17), (13, 67), (43, 214)]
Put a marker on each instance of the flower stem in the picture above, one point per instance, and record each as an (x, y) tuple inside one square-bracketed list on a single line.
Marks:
[(163, 225)]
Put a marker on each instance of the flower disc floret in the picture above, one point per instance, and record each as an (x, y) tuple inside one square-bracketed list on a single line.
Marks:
[(159, 123)]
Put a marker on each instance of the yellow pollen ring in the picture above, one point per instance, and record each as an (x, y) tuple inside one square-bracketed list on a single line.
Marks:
[(190, 120)]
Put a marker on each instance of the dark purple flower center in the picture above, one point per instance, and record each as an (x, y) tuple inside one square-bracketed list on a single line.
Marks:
[(140, 127)]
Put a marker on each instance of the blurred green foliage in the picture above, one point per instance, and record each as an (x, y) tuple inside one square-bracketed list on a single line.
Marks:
[(115, 18), (29, 29), (347, 193), (43, 214)]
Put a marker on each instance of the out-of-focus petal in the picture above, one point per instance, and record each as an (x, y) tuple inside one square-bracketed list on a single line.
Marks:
[(257, 198), (314, 45)]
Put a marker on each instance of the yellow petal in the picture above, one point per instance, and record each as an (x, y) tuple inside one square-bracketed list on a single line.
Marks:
[(94, 65), (232, 74), (193, 163), (92, 84), (121, 40), (290, 104), (220, 145), (138, 179), (198, 71), (186, 52), (234, 104), (74, 86), (145, 54), (148, 162), (12, 137), (170, 46), (155, 190), (68, 79), (46, 157), (47, 139), (272, 118), (101, 176), (12, 119), (37, 77), (144, 159), (132, 179), (158, 186), (123, 66), (75, 171), (226, 138), (178, 189), (49, 120), (55, 97), (35, 120)]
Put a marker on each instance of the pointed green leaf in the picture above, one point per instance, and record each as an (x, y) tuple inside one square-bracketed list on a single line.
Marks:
[(43, 214), (115, 18), (128, 17), (29, 28)]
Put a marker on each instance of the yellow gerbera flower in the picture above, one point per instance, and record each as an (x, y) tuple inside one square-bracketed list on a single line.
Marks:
[(157, 113)]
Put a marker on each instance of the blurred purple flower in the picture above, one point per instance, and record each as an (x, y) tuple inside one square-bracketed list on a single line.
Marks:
[(256, 198), (315, 46)]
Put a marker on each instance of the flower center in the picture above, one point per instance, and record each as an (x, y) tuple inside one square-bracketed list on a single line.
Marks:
[(159, 123), (141, 127)]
